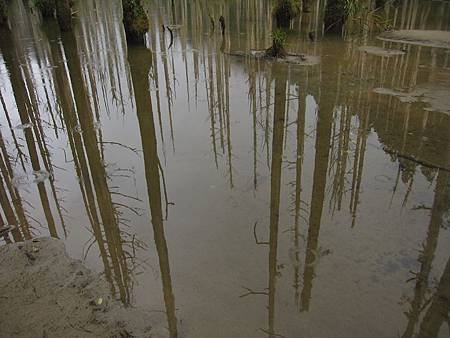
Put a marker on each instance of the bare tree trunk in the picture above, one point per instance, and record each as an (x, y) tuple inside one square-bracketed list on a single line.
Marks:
[(140, 58)]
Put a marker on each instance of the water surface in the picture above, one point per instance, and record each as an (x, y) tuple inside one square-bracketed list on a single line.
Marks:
[(233, 196)]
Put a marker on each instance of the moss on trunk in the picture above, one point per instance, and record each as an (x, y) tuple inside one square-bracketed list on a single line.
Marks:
[(135, 20), (64, 14)]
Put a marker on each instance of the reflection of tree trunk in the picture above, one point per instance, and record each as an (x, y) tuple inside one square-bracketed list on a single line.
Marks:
[(220, 104), (24, 109), (358, 164), (298, 182), (440, 206), (227, 119), (6, 170), (76, 144), (139, 58), (13, 133), (267, 124), (341, 160), (438, 310), (252, 95), (168, 87), (275, 188), (40, 137), (157, 89), (97, 169), (211, 104), (9, 212), (317, 199)]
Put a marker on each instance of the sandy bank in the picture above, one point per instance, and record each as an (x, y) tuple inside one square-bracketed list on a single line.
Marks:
[(45, 293)]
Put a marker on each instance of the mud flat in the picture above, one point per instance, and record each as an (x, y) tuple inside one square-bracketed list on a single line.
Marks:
[(428, 38), (296, 59), (379, 51), (45, 293)]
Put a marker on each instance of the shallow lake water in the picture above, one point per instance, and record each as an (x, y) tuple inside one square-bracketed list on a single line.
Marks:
[(232, 196)]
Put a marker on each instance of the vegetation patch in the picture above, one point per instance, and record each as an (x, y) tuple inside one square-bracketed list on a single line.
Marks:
[(277, 49)]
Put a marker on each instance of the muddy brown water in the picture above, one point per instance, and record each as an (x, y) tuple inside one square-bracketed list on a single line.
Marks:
[(233, 196)]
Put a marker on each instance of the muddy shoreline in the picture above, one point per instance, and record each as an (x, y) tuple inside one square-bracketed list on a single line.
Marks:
[(45, 293)]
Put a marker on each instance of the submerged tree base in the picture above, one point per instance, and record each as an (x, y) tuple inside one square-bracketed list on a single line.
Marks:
[(135, 20), (273, 52)]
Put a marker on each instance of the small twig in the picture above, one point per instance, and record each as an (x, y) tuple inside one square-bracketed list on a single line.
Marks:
[(129, 208), (120, 194), (271, 334), (251, 292), (171, 37), (134, 150), (256, 237)]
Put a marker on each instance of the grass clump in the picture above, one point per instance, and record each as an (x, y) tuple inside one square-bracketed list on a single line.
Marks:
[(277, 50), (353, 16)]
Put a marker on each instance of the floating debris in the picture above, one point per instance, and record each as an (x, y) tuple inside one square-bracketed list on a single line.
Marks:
[(19, 180), (41, 176), (30, 178), (24, 126), (78, 129)]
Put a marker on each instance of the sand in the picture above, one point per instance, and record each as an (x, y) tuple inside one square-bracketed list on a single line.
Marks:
[(379, 51), (429, 38), (45, 293)]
